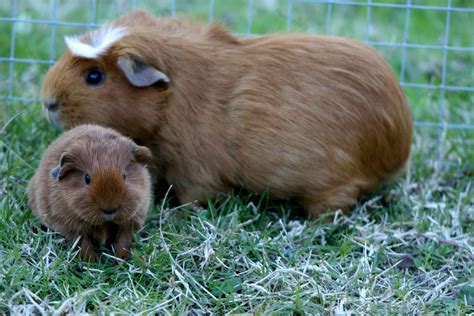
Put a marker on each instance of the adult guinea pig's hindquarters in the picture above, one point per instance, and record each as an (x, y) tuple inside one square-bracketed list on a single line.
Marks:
[(310, 130)]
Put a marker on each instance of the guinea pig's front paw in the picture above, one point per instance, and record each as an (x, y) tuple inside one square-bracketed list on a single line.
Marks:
[(123, 254), (88, 252), (90, 256), (123, 243)]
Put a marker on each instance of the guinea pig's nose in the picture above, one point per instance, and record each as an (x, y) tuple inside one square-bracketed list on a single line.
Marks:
[(109, 212), (51, 106)]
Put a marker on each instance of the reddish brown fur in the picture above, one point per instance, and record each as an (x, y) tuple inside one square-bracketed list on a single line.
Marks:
[(68, 205), (318, 118)]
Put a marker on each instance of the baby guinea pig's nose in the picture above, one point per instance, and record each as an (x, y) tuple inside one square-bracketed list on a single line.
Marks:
[(109, 212)]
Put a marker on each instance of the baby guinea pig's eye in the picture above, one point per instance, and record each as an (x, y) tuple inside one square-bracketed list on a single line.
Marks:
[(87, 179), (124, 175), (94, 77)]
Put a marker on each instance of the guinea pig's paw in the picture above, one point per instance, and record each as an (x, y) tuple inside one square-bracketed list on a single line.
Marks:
[(90, 256), (120, 255), (88, 252), (123, 243), (123, 254)]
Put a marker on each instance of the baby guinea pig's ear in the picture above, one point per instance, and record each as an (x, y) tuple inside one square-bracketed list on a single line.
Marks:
[(141, 154), (139, 73), (65, 165)]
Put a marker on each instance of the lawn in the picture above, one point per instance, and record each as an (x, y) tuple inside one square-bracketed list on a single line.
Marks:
[(406, 248)]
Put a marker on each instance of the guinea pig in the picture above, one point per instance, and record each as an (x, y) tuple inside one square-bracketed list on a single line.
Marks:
[(318, 118), (93, 183)]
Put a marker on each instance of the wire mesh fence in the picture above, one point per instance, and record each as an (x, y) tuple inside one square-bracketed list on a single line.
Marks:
[(429, 43)]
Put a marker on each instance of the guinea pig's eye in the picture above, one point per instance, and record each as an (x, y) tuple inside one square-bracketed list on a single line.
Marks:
[(87, 179), (124, 176), (95, 77)]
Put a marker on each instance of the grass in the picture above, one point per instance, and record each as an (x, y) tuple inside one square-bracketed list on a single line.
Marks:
[(407, 248)]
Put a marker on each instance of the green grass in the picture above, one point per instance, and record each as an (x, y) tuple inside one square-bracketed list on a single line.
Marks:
[(407, 248)]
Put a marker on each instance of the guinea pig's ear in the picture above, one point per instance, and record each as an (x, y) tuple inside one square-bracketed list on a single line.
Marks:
[(65, 165), (138, 73), (141, 154)]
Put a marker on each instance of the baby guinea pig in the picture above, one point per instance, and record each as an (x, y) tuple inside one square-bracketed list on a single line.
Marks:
[(92, 183)]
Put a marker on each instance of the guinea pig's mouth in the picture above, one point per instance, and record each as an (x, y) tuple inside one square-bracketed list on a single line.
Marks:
[(53, 118)]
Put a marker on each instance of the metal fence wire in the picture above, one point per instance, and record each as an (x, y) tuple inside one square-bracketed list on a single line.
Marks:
[(428, 42)]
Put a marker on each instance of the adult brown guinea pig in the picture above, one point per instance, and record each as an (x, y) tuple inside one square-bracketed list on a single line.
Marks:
[(318, 118), (92, 183)]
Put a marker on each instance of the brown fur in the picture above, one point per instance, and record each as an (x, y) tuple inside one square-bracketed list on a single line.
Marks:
[(68, 205), (318, 118)]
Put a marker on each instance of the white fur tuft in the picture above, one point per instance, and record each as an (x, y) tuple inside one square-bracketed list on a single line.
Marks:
[(101, 40)]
